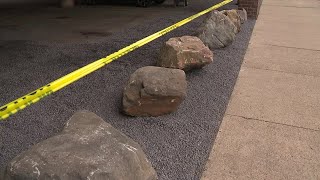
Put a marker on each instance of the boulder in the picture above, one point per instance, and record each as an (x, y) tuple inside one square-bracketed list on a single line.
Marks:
[(217, 30), (234, 17), (67, 3), (186, 53), (154, 91), (87, 148), (243, 15)]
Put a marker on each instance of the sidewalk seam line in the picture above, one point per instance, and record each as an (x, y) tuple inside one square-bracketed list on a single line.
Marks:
[(261, 120), (307, 7), (292, 47), (284, 72), (301, 61)]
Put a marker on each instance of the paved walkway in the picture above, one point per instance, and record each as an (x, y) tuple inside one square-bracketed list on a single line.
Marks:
[(271, 129)]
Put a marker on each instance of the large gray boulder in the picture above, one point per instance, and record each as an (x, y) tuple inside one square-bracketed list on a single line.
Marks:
[(88, 148), (154, 91), (217, 30), (186, 53), (234, 17)]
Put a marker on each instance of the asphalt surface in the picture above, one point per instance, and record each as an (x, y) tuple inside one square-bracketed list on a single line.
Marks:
[(177, 145)]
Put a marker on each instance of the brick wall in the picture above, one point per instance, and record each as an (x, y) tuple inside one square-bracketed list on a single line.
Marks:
[(252, 7)]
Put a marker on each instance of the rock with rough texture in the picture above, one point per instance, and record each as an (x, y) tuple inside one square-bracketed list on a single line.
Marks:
[(87, 148), (67, 3), (243, 15), (217, 30), (154, 91), (186, 53), (234, 17)]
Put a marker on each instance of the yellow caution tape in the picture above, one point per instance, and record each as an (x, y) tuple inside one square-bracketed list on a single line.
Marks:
[(33, 97)]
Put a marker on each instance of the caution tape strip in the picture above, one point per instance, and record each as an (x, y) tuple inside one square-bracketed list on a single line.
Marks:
[(36, 95)]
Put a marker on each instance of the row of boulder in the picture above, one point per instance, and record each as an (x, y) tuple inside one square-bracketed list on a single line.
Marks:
[(155, 91), (90, 148)]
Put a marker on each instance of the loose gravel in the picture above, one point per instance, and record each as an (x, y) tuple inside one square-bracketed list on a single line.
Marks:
[(177, 145)]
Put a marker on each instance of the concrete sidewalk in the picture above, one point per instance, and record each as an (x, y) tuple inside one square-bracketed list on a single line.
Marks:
[(271, 129)]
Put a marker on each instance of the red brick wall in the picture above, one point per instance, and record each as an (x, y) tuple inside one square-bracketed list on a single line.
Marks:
[(252, 7)]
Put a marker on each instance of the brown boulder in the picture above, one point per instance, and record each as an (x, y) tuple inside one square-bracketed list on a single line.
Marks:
[(154, 91), (186, 53)]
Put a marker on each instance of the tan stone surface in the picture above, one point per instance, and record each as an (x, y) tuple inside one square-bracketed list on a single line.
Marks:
[(290, 99), (289, 15), (288, 26), (283, 59), (298, 37), (293, 3), (272, 125), (250, 149)]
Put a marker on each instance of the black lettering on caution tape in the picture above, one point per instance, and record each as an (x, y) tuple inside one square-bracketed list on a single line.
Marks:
[(33, 93), (4, 108)]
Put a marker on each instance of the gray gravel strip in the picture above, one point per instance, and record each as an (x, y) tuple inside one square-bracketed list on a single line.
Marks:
[(177, 145)]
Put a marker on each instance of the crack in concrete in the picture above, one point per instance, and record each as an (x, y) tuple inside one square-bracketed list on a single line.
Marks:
[(292, 47), (255, 119), (249, 67), (310, 7)]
